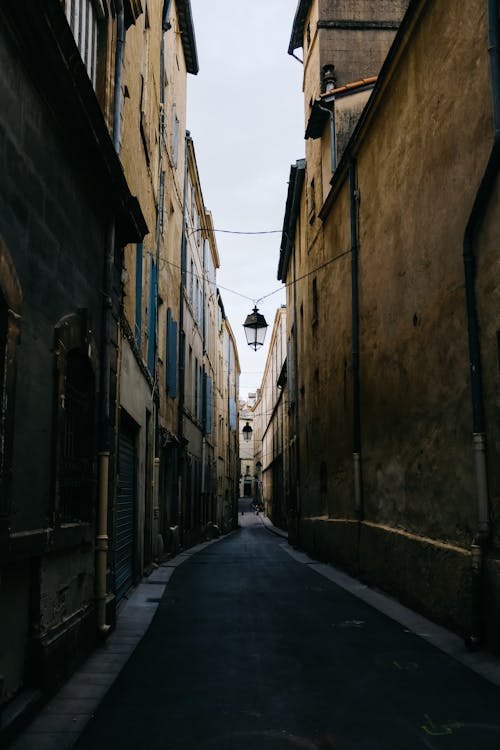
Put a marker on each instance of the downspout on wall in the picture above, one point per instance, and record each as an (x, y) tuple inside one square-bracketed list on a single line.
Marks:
[(331, 118), (481, 202), (102, 538), (356, 416)]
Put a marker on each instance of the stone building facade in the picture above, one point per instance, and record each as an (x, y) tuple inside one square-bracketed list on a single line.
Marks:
[(272, 418), (228, 447), (100, 210), (393, 276), (66, 211)]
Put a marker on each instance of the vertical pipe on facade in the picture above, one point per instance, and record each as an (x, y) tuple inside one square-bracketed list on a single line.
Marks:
[(104, 454), (296, 397), (204, 415), (182, 348), (356, 425), (478, 421), (102, 543), (159, 215)]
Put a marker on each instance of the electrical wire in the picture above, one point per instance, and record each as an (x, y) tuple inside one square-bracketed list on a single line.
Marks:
[(255, 300)]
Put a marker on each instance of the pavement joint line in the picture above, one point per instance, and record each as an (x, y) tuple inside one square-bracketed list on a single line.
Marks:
[(483, 663)]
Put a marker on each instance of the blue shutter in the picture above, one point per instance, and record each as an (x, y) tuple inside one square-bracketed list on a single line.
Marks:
[(171, 355), (208, 404), (138, 293), (232, 413), (152, 318)]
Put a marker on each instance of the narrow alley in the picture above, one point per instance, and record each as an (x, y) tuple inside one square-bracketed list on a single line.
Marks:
[(250, 648)]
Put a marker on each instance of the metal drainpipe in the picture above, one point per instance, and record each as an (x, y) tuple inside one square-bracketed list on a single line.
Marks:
[(182, 348), (155, 398), (204, 492), (356, 427), (298, 503), (331, 117), (474, 639), (102, 538)]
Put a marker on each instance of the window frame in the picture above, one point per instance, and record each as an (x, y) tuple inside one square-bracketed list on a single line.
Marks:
[(11, 301), (73, 333)]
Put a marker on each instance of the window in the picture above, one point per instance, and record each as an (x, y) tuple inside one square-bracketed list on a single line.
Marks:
[(138, 294), (76, 365), (175, 136), (171, 355), (83, 17), (10, 309), (314, 302), (189, 374), (312, 201), (208, 406), (195, 406), (76, 468), (200, 394), (153, 289), (191, 282), (3, 371)]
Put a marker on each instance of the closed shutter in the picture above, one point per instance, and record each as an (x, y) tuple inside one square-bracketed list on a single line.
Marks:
[(171, 355), (153, 281), (125, 514), (208, 404)]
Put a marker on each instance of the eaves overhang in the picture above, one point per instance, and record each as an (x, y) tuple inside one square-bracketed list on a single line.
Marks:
[(319, 114), (296, 40), (296, 181), (281, 382), (50, 56), (186, 28)]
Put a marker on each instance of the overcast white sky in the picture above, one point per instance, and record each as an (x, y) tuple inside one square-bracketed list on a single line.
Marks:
[(245, 114)]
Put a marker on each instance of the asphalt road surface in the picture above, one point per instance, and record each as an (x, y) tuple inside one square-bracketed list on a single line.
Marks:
[(251, 650)]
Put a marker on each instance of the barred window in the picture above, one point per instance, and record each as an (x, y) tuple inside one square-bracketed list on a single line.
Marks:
[(77, 468), (10, 321), (3, 369), (75, 457)]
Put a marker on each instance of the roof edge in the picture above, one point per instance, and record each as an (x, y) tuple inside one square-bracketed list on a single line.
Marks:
[(297, 174), (188, 38), (298, 25)]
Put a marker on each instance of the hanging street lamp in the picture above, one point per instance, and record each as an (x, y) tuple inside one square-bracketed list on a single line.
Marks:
[(247, 432), (255, 327)]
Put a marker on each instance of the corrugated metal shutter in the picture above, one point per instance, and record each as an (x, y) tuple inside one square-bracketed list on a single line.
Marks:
[(125, 514)]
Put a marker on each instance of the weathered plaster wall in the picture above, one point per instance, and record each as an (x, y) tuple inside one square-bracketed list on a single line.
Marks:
[(419, 162), (418, 474), (53, 220)]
